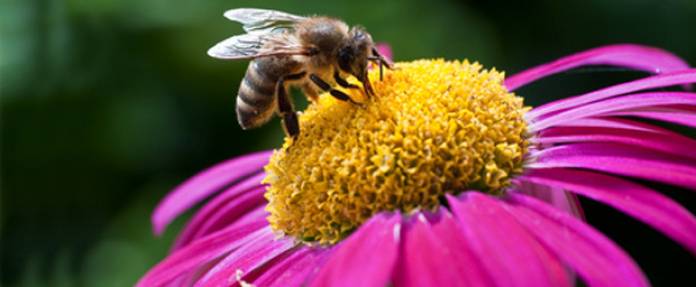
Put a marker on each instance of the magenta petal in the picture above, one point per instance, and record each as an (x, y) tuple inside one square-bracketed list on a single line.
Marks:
[(671, 143), (637, 57), (556, 197), (366, 257), (615, 123), (620, 159), (627, 102), (205, 184), (223, 210), (253, 215), (385, 50), (279, 265), (670, 115), (246, 259), (198, 253), (293, 269), (425, 246), (594, 257), (659, 81), (644, 204), (511, 255)]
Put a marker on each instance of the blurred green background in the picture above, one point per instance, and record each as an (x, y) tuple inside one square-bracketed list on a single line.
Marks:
[(106, 105)]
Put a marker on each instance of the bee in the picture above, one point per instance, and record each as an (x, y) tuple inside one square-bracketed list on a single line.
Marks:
[(311, 53)]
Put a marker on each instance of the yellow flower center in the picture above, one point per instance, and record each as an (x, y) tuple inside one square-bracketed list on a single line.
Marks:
[(434, 127)]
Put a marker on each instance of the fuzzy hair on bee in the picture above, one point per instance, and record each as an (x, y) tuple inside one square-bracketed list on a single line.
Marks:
[(314, 54)]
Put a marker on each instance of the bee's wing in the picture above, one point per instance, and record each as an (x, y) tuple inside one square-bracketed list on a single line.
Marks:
[(262, 20), (248, 46), (262, 26)]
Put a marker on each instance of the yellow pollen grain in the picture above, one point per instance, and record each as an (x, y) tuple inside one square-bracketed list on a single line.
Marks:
[(434, 127)]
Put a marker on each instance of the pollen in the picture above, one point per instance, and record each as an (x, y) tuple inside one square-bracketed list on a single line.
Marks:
[(434, 127)]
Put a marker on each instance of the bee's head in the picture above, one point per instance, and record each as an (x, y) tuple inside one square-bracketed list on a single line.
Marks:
[(354, 53)]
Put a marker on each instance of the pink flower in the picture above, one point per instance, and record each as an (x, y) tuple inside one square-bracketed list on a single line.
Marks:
[(532, 234)]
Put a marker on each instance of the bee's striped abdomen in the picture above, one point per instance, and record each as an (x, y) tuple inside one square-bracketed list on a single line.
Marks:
[(256, 98)]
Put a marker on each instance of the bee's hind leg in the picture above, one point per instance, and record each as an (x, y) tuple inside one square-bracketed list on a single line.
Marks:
[(285, 107), (333, 92)]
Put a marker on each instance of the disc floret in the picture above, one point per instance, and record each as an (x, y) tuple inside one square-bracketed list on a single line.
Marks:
[(434, 127)]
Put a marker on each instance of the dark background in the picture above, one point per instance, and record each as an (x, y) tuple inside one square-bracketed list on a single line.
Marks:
[(107, 104)]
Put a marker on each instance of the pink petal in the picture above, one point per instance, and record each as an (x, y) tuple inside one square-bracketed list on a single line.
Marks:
[(595, 258), (293, 269), (671, 115), (674, 144), (223, 210), (256, 214), (425, 246), (366, 257), (637, 57), (205, 184), (556, 197), (199, 253), (246, 259), (659, 81), (512, 256), (385, 50), (615, 123), (628, 102), (640, 202), (620, 159), (195, 274)]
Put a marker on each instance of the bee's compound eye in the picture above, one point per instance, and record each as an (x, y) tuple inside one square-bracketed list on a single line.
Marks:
[(345, 57)]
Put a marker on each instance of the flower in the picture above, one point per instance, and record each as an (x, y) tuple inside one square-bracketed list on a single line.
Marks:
[(446, 178)]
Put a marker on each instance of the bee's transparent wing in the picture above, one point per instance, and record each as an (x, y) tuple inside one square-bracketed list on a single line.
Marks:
[(261, 20), (262, 26), (238, 47), (248, 46)]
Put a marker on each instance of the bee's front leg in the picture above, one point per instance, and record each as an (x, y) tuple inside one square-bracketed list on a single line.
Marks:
[(342, 82), (333, 92)]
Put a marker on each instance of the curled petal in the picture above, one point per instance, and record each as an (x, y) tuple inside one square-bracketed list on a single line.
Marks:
[(640, 202), (556, 197), (659, 81), (669, 143), (205, 184), (385, 50), (642, 58), (200, 252), (615, 123), (675, 115), (246, 259), (628, 102), (620, 159), (220, 212)]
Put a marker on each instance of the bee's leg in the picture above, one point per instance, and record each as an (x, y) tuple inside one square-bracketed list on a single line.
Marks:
[(310, 91), (285, 108), (342, 82), (333, 92)]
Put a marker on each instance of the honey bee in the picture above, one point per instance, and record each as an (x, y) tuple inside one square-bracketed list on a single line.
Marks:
[(312, 53)]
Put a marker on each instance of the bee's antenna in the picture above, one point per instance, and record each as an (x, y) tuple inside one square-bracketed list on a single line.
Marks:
[(381, 60), (378, 60)]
